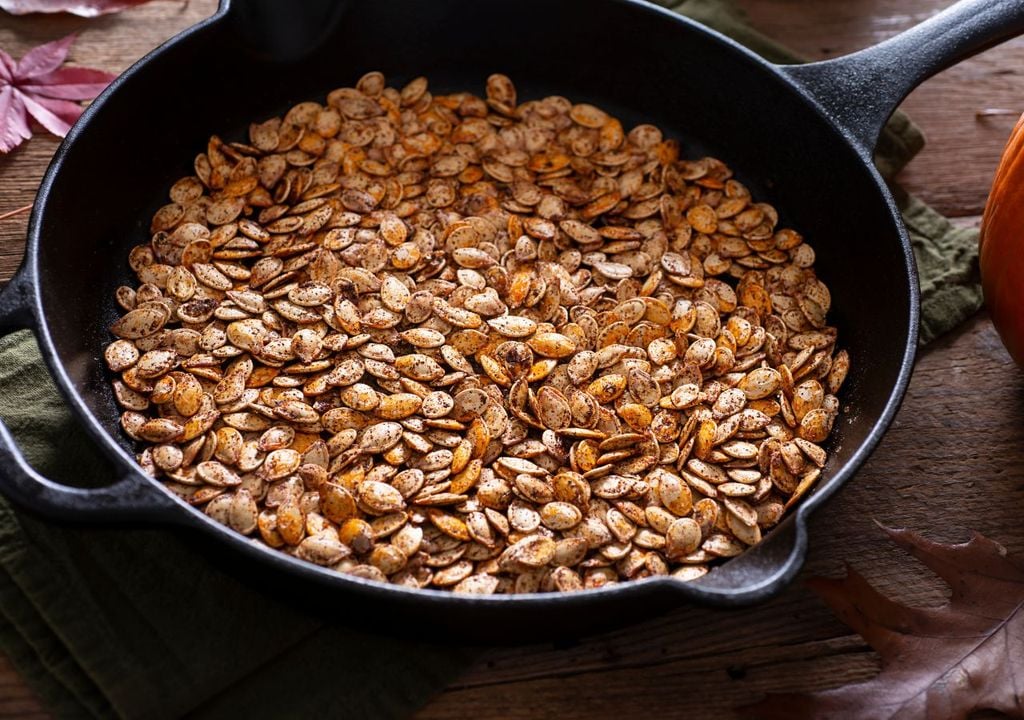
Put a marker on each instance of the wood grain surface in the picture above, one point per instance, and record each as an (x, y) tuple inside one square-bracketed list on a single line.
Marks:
[(950, 463)]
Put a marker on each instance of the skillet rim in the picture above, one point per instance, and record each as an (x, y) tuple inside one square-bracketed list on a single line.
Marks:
[(768, 584)]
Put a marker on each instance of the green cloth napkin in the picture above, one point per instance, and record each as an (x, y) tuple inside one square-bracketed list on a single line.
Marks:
[(138, 623)]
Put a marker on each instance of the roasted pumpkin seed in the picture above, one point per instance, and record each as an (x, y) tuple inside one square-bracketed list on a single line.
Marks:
[(477, 344)]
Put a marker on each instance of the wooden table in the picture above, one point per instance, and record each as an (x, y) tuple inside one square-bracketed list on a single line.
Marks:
[(950, 463)]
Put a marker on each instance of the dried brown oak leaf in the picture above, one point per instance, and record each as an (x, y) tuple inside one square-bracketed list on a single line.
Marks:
[(937, 664)]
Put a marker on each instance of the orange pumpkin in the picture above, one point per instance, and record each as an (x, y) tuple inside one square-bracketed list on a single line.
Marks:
[(1002, 246)]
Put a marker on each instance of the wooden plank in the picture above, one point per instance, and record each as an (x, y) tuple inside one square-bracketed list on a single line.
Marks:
[(16, 699)]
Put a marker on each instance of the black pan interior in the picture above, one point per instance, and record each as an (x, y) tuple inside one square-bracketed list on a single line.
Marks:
[(627, 58)]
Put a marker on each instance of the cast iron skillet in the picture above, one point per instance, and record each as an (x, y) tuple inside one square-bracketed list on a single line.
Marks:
[(800, 137)]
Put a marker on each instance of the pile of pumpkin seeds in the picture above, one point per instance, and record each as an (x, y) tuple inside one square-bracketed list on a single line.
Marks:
[(476, 344)]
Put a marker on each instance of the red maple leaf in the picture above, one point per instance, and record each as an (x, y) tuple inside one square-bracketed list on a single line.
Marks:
[(82, 8), (37, 86)]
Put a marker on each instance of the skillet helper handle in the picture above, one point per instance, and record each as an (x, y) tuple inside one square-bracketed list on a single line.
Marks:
[(861, 90), (128, 499)]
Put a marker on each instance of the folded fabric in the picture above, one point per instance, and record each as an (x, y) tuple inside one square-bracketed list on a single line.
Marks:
[(139, 623)]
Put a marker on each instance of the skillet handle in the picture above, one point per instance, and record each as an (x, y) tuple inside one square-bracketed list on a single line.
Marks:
[(128, 499), (16, 304), (861, 90)]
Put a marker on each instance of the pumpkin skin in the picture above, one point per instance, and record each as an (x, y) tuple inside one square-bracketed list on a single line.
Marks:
[(1001, 246)]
